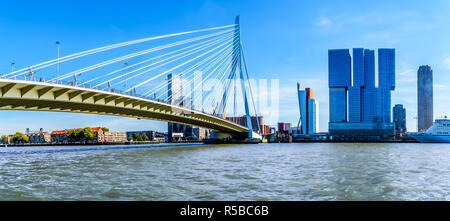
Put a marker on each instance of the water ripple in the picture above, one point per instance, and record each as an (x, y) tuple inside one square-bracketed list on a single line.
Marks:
[(227, 172)]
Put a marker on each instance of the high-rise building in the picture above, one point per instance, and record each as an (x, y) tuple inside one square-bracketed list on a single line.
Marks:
[(368, 95), (313, 116), (399, 113), (339, 80), (386, 83), (358, 109), (175, 96), (425, 97), (308, 111)]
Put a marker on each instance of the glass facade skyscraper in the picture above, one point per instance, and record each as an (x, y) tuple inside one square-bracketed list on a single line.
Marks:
[(425, 97), (368, 94), (339, 81), (399, 113), (357, 107), (386, 83), (309, 111)]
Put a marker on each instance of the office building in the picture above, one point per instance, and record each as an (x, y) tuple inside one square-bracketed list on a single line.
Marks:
[(175, 96), (358, 109), (309, 116), (399, 113), (313, 116), (425, 97), (283, 128), (339, 81)]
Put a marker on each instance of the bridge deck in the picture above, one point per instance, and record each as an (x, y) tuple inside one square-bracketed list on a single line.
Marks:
[(40, 96)]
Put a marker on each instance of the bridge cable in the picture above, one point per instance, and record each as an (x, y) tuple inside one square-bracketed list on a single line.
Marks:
[(174, 68), (215, 92), (190, 69), (221, 71), (163, 47), (165, 83), (108, 62), (220, 59), (224, 59), (180, 56), (105, 48)]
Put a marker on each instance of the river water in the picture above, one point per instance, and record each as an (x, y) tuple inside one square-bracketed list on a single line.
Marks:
[(313, 171)]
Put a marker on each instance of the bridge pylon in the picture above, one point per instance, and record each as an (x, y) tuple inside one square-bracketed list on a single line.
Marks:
[(237, 70)]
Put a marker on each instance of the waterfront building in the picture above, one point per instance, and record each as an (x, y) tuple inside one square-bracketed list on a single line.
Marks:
[(358, 109), (302, 101), (152, 135), (115, 137), (339, 81), (283, 128), (175, 96), (424, 97), (59, 137), (258, 124), (399, 113), (309, 115), (199, 133), (39, 138), (313, 116), (99, 134)]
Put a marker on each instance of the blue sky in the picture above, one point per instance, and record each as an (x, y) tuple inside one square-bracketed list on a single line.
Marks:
[(287, 40)]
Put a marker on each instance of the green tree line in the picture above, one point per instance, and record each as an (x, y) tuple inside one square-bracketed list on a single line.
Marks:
[(16, 138), (136, 137), (81, 134)]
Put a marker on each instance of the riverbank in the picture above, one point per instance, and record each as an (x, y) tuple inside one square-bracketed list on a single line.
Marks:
[(331, 141), (94, 144)]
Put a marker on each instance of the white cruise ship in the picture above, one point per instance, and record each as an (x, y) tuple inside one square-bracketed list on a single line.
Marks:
[(439, 132)]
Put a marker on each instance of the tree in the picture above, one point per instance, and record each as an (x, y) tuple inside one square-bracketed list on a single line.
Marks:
[(144, 137), (88, 133), (81, 134), (105, 129), (71, 135), (135, 136), (20, 138), (4, 139)]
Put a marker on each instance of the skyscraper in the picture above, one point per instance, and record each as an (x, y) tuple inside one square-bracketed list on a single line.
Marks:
[(368, 94), (425, 97), (339, 80), (309, 116), (357, 107), (386, 83), (174, 96), (313, 116), (399, 118)]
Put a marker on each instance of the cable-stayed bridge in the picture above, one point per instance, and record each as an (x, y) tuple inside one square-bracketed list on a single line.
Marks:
[(124, 80)]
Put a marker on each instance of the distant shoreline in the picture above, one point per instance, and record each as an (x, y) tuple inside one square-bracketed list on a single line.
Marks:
[(92, 144)]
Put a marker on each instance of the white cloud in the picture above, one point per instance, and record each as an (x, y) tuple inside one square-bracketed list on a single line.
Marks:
[(447, 62), (323, 22)]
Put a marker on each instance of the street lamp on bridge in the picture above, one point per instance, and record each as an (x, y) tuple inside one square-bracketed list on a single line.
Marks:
[(57, 64)]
